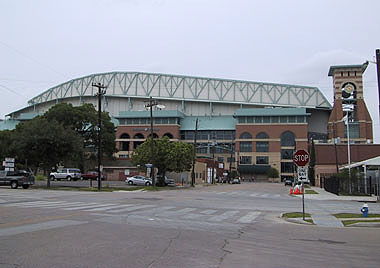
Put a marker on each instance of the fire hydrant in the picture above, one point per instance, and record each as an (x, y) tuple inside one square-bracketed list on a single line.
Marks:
[(364, 210)]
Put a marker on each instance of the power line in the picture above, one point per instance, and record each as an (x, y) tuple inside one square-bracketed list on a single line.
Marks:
[(34, 60), (13, 91)]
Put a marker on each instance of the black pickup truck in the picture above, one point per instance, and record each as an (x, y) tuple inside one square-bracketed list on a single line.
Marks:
[(16, 178)]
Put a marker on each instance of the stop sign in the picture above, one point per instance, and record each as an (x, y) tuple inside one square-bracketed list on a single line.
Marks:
[(301, 158)]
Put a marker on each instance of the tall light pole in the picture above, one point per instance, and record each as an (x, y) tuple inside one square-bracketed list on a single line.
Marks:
[(101, 92), (195, 153), (152, 103), (348, 153)]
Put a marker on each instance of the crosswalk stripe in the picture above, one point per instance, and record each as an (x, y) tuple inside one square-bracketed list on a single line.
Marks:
[(88, 206), (221, 192), (157, 210), (178, 212), (109, 207), (224, 216), (62, 205), (28, 204), (191, 216), (249, 217), (254, 194), (208, 211), (264, 195), (130, 208)]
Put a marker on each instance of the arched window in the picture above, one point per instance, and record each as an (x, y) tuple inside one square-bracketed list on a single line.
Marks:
[(138, 136), (155, 136), (169, 135), (124, 136), (262, 146), (262, 135), (245, 135), (288, 139), (124, 145), (137, 143)]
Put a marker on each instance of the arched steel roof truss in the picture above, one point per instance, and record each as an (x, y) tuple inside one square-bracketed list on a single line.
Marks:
[(133, 84)]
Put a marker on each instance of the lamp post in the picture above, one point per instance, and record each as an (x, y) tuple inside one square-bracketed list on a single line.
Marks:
[(348, 153), (195, 153), (150, 106), (101, 92), (213, 161)]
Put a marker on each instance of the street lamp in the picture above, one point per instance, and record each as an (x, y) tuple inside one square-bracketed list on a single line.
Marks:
[(150, 106)]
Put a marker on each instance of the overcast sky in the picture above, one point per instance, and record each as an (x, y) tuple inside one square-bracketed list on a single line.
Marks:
[(45, 43)]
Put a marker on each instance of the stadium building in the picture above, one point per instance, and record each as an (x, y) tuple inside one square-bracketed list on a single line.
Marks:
[(243, 125)]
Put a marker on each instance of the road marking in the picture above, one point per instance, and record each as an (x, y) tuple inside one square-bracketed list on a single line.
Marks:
[(130, 208), (88, 206), (38, 227), (255, 194), (192, 216), (249, 217), (208, 211), (156, 210), (178, 212), (224, 216), (221, 192), (109, 207), (264, 195), (47, 203), (65, 205)]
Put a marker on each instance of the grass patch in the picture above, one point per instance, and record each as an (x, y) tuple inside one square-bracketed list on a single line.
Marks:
[(306, 186), (309, 221), (310, 192), (40, 177), (353, 215), (295, 215), (349, 222)]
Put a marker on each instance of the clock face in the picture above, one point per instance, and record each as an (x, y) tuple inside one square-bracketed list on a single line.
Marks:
[(349, 91)]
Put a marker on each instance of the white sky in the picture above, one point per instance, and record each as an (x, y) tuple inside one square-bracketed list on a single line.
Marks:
[(45, 43)]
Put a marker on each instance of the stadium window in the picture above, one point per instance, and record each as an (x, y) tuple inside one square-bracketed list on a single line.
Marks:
[(266, 119), (288, 139), (245, 160), (220, 159), (274, 119), (262, 146), (283, 119), (286, 154), (245, 135), (287, 167), (262, 160), (245, 146), (291, 119)]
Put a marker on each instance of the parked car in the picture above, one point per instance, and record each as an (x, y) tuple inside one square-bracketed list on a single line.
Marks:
[(236, 181), (288, 182), (168, 182), (92, 175), (16, 178), (66, 173), (138, 180)]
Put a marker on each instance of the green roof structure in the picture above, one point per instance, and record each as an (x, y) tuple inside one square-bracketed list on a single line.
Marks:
[(270, 112), (209, 123)]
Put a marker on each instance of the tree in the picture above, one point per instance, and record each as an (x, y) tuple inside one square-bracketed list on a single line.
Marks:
[(84, 120), (168, 156), (5, 141), (272, 173), (44, 143)]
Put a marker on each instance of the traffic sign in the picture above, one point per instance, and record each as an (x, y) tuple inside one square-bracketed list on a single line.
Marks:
[(301, 158), (302, 173)]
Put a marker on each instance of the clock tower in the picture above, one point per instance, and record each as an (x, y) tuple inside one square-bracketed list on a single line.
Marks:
[(349, 106)]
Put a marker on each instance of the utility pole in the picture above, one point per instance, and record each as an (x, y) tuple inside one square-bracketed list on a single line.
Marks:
[(150, 106), (101, 92), (378, 74), (213, 161), (229, 172), (336, 153), (195, 153)]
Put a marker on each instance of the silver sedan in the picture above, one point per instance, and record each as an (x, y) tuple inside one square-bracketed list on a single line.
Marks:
[(138, 180)]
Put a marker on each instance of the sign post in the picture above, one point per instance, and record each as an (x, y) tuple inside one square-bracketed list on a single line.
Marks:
[(301, 158)]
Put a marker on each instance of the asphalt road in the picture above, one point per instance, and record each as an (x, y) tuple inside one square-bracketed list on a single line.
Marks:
[(214, 226)]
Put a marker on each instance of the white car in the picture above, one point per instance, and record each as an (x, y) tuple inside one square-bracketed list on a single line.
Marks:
[(138, 180)]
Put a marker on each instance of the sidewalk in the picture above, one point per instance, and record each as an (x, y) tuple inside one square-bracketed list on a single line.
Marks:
[(324, 195)]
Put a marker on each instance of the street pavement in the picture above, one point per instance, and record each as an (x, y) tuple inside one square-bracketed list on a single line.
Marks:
[(214, 226)]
